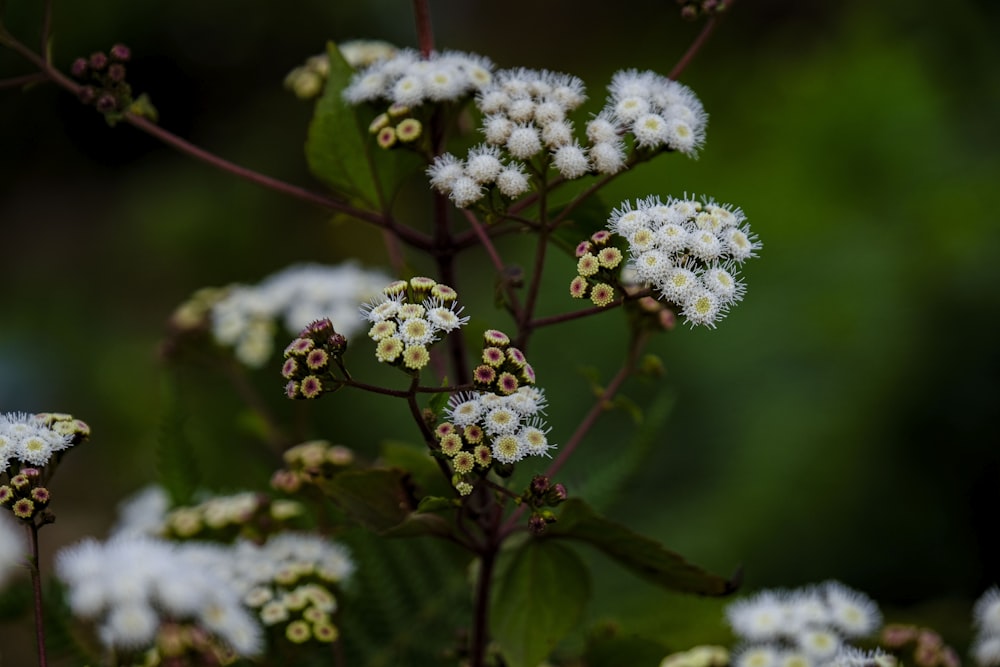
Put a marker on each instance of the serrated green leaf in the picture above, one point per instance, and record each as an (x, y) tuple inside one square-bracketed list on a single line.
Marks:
[(343, 154), (643, 556), (538, 600)]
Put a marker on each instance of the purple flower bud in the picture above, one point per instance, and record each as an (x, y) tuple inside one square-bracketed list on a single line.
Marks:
[(536, 524), (539, 484), (121, 53), (116, 72), (78, 68), (106, 103), (98, 61)]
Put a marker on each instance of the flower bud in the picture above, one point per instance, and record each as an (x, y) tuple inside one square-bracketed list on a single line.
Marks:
[(536, 524), (106, 103), (121, 53), (116, 72), (98, 61), (78, 68), (88, 94)]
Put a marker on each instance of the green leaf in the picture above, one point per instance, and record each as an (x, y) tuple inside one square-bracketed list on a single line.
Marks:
[(176, 464), (418, 462), (645, 557), (538, 600), (382, 500), (378, 498), (439, 401), (343, 154)]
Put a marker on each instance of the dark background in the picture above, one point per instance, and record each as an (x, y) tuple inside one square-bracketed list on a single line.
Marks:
[(839, 424)]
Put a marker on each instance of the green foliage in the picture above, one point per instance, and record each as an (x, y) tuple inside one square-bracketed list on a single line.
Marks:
[(539, 598), (643, 556), (175, 460), (407, 603), (382, 500), (604, 484), (342, 153)]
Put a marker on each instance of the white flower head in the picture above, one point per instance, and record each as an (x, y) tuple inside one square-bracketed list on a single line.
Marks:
[(851, 612), (986, 612), (758, 618)]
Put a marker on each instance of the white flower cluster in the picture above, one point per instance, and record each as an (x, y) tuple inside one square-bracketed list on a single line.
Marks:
[(986, 620), (803, 628), (511, 426), (688, 251), (31, 440), (408, 80), (408, 317), (245, 317), (148, 513), (657, 112), (130, 586), (12, 548), (287, 576), (524, 114)]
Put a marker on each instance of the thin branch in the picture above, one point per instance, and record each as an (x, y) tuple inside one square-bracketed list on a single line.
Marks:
[(23, 80), (411, 236), (599, 407), (47, 31), (425, 31), (484, 240), (36, 585), (698, 43), (575, 315)]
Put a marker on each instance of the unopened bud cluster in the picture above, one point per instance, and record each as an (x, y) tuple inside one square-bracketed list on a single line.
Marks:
[(504, 368), (106, 88), (409, 317), (224, 518), (597, 268), (396, 127), (927, 646), (185, 644), (310, 361), (692, 9), (293, 581), (540, 496), (309, 463), (26, 498), (307, 80)]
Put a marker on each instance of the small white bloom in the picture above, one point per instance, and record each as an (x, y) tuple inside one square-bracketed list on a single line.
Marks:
[(570, 161), (512, 181), (524, 142)]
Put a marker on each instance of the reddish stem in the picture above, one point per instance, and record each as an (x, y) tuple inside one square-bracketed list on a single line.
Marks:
[(425, 31), (36, 585), (698, 42)]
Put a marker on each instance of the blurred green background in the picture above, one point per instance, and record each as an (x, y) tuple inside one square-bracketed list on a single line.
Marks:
[(839, 424)]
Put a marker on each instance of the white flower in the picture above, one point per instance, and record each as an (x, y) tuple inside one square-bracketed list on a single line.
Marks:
[(986, 613), (758, 618), (483, 164), (512, 181), (570, 161), (852, 612)]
